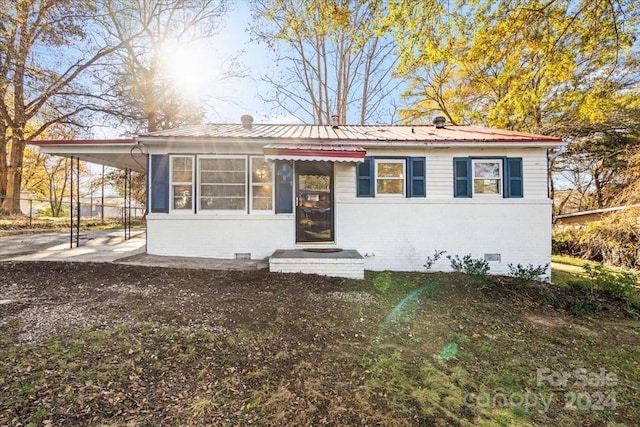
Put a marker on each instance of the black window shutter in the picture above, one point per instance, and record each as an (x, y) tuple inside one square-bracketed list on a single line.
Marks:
[(366, 178), (513, 177), (284, 186), (462, 177), (159, 197), (416, 182)]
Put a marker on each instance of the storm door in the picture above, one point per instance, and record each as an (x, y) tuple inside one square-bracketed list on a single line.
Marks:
[(314, 202)]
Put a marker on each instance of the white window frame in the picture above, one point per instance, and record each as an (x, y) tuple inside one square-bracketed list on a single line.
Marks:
[(251, 186), (500, 178), (199, 184), (403, 162), (173, 183)]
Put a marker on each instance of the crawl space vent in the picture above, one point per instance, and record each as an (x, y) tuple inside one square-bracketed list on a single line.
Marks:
[(492, 257)]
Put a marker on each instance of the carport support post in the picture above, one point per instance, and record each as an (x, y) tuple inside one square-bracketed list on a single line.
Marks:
[(127, 204), (102, 198), (78, 200), (74, 208)]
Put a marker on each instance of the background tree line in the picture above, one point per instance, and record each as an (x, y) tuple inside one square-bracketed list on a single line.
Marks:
[(567, 68)]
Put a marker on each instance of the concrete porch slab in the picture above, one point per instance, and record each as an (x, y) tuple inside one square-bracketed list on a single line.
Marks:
[(346, 263)]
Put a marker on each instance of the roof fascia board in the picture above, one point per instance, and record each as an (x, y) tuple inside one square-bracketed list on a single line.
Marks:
[(88, 149), (82, 142)]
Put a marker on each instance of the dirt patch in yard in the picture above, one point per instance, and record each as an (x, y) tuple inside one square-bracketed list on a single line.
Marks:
[(95, 344)]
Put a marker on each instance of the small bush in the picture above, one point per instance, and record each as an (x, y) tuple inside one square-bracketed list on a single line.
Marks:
[(614, 240), (382, 282), (432, 260), (566, 240), (614, 282), (585, 308), (468, 265), (529, 272)]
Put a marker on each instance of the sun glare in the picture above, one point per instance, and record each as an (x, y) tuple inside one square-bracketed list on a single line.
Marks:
[(191, 68)]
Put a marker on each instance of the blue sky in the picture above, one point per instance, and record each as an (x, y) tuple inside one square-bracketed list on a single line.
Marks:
[(227, 99), (231, 98)]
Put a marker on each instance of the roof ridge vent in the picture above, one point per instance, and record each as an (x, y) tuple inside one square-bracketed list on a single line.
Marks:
[(247, 121), (439, 122)]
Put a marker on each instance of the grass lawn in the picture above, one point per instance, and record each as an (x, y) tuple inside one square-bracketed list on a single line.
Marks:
[(109, 344), (22, 224)]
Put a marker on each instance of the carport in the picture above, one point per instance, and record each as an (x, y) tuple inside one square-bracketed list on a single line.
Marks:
[(125, 154)]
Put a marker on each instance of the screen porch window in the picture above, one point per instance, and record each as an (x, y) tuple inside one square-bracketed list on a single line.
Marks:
[(390, 175), (487, 177), (182, 182), (261, 184), (223, 183)]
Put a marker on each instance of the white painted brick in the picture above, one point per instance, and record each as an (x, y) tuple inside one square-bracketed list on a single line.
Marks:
[(401, 233), (349, 268)]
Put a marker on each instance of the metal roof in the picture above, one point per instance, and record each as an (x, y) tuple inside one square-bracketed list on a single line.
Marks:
[(596, 211), (118, 153), (343, 141), (327, 152), (350, 134)]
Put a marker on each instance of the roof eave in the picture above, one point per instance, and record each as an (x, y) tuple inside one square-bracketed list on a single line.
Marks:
[(550, 143), (493, 144), (82, 142)]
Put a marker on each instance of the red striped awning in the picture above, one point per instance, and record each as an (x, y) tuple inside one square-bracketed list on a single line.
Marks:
[(317, 152)]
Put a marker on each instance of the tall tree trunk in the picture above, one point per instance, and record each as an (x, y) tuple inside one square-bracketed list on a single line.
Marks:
[(3, 163), (11, 204)]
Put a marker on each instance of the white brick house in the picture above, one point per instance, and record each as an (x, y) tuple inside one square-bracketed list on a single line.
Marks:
[(394, 194)]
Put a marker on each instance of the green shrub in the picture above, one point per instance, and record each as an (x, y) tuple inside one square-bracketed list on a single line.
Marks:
[(382, 282), (529, 272), (614, 282), (432, 260), (567, 241), (468, 265)]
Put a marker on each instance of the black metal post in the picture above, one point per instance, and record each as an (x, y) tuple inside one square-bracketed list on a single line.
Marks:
[(129, 203), (78, 201), (126, 211), (102, 197), (71, 204)]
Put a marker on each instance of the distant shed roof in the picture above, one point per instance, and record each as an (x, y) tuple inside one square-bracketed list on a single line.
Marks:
[(590, 215)]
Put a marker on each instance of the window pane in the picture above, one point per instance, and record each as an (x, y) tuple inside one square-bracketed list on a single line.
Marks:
[(261, 170), (390, 186), (181, 176), (231, 203), (262, 184), (262, 204), (212, 190), (262, 199), (181, 169), (390, 170), (487, 170), (222, 164), (181, 163), (222, 184), (182, 197), (486, 186), (262, 190), (222, 177)]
